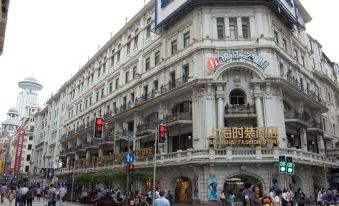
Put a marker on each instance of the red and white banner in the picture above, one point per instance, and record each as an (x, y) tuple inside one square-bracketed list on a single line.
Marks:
[(18, 152)]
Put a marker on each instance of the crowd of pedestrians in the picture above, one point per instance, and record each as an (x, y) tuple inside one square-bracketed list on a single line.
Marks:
[(253, 196), (24, 195)]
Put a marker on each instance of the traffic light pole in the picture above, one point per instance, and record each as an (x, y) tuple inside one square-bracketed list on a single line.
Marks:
[(155, 162)]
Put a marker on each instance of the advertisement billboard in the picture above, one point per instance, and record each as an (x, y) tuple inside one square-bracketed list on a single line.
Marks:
[(164, 9), (18, 152)]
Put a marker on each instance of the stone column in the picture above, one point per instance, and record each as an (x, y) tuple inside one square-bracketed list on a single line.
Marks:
[(252, 27), (321, 144), (100, 152), (214, 25), (227, 27), (239, 27), (220, 109), (303, 139), (259, 111)]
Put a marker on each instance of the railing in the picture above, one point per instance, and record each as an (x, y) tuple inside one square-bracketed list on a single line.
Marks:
[(240, 109), (227, 155), (178, 116), (295, 115), (314, 124), (145, 126), (294, 81)]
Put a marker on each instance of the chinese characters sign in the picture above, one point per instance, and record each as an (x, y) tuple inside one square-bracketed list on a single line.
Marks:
[(244, 136), (18, 152), (227, 57)]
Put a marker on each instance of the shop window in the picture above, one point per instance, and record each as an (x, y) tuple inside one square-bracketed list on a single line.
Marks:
[(237, 97)]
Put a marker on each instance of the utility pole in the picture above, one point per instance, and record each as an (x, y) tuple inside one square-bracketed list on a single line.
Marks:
[(155, 162)]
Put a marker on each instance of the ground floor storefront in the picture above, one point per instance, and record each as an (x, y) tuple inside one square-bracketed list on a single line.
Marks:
[(203, 183)]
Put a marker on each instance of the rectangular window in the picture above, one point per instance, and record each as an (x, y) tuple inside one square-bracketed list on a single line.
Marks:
[(112, 61), (284, 42), (186, 39), (245, 27), (30, 137), (26, 168), (99, 71), (173, 47), (102, 92), (147, 63), (103, 68), (295, 54), (132, 97), (97, 97), (110, 87), (233, 28), (28, 157), (185, 73), (118, 56), (172, 82), (220, 28), (157, 58), (117, 83), (136, 42), (155, 85), (302, 60), (126, 76), (128, 48), (148, 28), (29, 147), (90, 100), (134, 72), (276, 37)]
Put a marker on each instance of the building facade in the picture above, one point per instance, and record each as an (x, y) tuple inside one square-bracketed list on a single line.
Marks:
[(237, 85), (4, 4)]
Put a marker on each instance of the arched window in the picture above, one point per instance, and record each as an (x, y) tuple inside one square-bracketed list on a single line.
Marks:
[(237, 96)]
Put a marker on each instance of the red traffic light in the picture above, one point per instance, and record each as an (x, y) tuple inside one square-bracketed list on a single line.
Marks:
[(162, 130), (99, 121)]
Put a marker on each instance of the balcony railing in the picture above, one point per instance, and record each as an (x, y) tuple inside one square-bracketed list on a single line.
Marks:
[(223, 155), (146, 126), (294, 81), (177, 117), (314, 124), (295, 115), (240, 109)]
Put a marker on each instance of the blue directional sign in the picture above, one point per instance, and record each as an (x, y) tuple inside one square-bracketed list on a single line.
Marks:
[(129, 158)]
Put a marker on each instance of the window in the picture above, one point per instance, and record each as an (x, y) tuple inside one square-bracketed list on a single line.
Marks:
[(155, 85), (97, 96), (30, 138), (103, 68), (112, 60), (117, 83), (185, 73), (126, 76), (157, 58), (132, 97), (148, 28), (245, 27), (99, 71), (284, 42), (136, 42), (110, 87), (145, 91), (295, 54), (134, 72), (233, 28), (172, 80), (28, 157), (26, 168), (302, 60), (276, 37), (102, 92), (186, 39), (128, 48), (118, 56), (237, 97), (29, 147), (220, 28), (173, 47), (148, 64), (90, 100)]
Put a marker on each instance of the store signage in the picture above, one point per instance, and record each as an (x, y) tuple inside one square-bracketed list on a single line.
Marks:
[(18, 152), (244, 136), (165, 9), (232, 56)]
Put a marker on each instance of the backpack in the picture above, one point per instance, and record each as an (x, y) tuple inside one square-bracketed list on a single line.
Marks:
[(29, 195)]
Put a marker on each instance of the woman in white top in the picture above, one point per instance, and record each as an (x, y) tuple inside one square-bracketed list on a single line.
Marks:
[(277, 199)]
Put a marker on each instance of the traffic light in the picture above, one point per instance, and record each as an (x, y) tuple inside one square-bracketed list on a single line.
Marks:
[(282, 164), (130, 168), (99, 127), (162, 133), (289, 165)]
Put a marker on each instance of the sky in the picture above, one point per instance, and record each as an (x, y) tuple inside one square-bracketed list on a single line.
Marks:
[(51, 39)]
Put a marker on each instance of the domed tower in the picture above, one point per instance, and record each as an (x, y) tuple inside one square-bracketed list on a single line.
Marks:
[(11, 124), (29, 95)]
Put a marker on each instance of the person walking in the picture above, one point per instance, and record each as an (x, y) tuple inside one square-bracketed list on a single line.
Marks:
[(161, 201), (29, 196), (256, 196), (23, 191), (247, 195), (277, 199), (38, 194), (170, 197), (222, 198), (11, 196), (52, 196), (300, 196), (61, 193), (231, 198)]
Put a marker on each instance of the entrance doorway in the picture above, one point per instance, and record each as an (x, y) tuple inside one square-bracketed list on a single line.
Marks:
[(183, 190), (236, 184)]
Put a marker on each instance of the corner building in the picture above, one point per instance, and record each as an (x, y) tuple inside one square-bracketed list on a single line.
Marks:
[(211, 67)]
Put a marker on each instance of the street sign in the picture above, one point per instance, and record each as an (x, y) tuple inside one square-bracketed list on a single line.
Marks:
[(129, 158)]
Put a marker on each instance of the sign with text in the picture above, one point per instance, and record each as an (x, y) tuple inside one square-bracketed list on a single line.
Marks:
[(244, 136), (18, 152), (164, 9)]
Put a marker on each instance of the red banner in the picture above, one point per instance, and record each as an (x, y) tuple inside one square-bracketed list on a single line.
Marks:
[(18, 152)]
